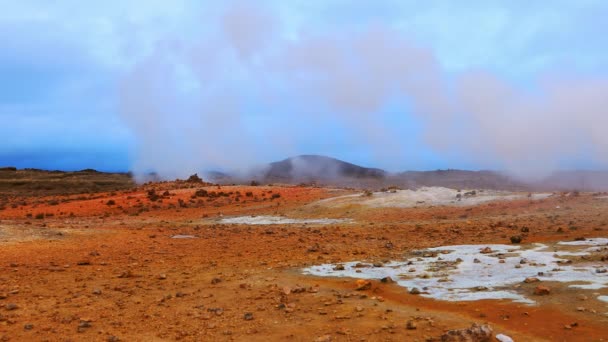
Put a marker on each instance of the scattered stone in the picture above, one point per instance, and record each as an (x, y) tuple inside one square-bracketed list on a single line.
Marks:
[(387, 280), (96, 291), (531, 280), (324, 338), (126, 274), (411, 325), (363, 285), (113, 339), (476, 333), (542, 290), (339, 267), (248, 316), (11, 306), (28, 326), (486, 250), (415, 291), (216, 281), (83, 325), (516, 239), (162, 276)]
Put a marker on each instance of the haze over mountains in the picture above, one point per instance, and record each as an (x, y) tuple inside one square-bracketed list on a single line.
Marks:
[(323, 170), (331, 171)]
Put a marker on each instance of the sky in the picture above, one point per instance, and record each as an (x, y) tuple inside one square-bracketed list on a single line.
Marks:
[(183, 86)]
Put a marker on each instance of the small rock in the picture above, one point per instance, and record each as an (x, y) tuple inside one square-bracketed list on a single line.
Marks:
[(486, 250), (28, 326), (339, 267), (248, 316), (96, 291), (83, 325), (477, 333), (387, 280), (516, 239), (324, 338), (531, 280), (363, 285), (162, 276), (415, 291), (11, 306), (542, 290), (410, 325), (216, 281)]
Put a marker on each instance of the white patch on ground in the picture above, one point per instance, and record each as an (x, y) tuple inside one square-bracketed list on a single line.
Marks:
[(255, 220), (429, 196), (586, 242), (503, 338), (603, 298), (179, 236), (451, 272)]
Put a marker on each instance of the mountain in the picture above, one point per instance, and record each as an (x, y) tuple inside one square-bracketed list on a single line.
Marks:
[(315, 167)]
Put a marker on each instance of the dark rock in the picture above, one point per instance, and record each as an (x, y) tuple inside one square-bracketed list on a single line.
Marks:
[(476, 333)]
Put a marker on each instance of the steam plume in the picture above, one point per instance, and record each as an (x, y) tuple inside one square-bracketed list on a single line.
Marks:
[(251, 88)]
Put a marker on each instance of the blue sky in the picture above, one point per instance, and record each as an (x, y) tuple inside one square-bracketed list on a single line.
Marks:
[(121, 85)]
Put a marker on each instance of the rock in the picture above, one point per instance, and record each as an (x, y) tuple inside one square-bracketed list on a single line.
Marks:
[(28, 326), (96, 291), (377, 264), (11, 306), (476, 333), (248, 316), (324, 338), (126, 274), (516, 239), (363, 285), (410, 325), (486, 250), (415, 291), (83, 325), (339, 267), (113, 339), (216, 281), (542, 290), (503, 338), (162, 276), (387, 280), (531, 280)]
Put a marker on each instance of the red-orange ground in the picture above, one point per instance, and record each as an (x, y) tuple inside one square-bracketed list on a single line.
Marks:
[(116, 267)]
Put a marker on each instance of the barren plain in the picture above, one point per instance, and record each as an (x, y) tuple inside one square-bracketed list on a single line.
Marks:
[(199, 262)]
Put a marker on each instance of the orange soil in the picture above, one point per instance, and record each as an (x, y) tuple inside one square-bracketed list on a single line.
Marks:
[(117, 268)]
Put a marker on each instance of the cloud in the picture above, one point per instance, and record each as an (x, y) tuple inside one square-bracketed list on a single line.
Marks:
[(396, 84)]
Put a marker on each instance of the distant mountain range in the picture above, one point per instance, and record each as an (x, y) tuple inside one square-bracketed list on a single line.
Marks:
[(325, 170)]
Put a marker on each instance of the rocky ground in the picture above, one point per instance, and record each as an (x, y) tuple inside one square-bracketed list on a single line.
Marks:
[(107, 267)]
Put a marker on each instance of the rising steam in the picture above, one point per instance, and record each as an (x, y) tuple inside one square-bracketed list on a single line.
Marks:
[(251, 89)]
